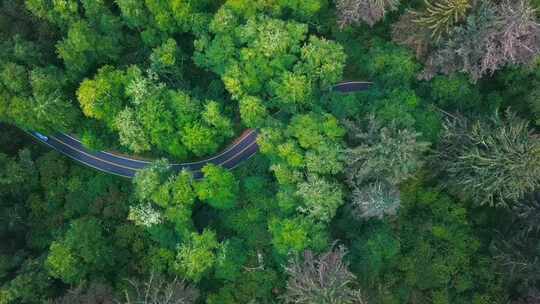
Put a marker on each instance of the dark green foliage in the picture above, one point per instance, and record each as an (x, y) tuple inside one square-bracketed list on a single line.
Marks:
[(433, 255), (375, 253), (84, 250), (179, 78), (252, 286), (390, 65), (93, 293), (515, 247), (454, 93)]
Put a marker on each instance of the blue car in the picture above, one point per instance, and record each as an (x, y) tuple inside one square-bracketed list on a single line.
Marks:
[(41, 136)]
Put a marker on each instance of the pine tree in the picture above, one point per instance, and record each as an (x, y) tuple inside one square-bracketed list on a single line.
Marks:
[(493, 161), (439, 16)]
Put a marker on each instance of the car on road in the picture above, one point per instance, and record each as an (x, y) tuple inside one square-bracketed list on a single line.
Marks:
[(41, 136)]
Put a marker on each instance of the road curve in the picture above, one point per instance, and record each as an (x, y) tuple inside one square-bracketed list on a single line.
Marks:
[(239, 151)]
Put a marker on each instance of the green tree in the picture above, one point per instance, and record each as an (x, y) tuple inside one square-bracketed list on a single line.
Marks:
[(304, 10), (213, 117), (218, 187), (454, 92), (276, 63), (148, 181), (389, 65), (297, 234), (197, 255), (230, 260), (443, 262), (131, 132), (61, 13), (249, 287), (102, 98), (493, 161), (252, 111), (321, 198), (84, 47), (167, 60), (383, 152), (84, 251)]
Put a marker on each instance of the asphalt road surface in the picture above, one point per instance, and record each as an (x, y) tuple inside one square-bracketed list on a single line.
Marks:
[(239, 151)]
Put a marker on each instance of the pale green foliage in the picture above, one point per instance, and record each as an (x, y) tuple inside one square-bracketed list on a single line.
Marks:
[(376, 199), (493, 161), (140, 88), (266, 59), (199, 138), (183, 193), (61, 12), (101, 97), (311, 130), (62, 263), (165, 56), (51, 107), (164, 17), (144, 215), (440, 15), (294, 235), (131, 132), (272, 37), (197, 255), (147, 181), (213, 117), (35, 99), (291, 154), (252, 111), (326, 159), (294, 90), (152, 115), (321, 198), (383, 152), (323, 61)]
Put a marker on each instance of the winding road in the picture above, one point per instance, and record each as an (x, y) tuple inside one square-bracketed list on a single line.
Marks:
[(239, 151)]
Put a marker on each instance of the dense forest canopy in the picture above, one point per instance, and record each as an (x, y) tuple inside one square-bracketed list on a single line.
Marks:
[(425, 188)]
